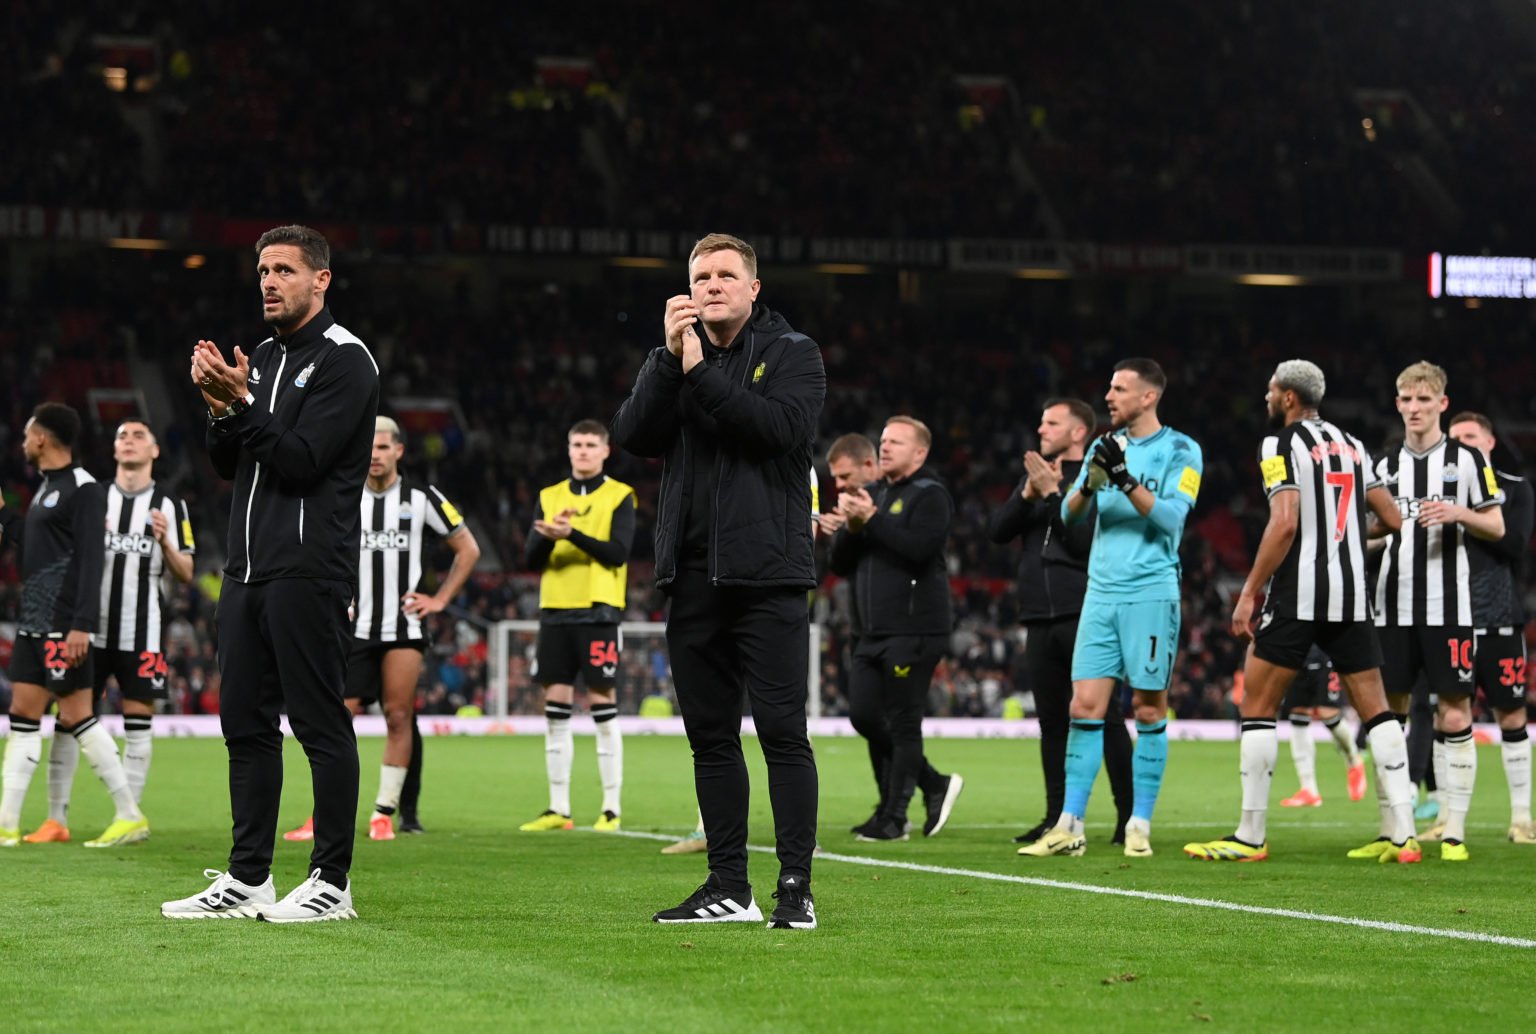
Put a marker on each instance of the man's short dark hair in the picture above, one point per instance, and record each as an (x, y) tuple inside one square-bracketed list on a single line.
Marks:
[(854, 446), (587, 427), (311, 244), (59, 420), (142, 423), (1081, 411), (1148, 370), (1466, 416)]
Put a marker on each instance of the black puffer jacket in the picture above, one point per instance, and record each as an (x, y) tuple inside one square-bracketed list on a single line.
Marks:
[(758, 401)]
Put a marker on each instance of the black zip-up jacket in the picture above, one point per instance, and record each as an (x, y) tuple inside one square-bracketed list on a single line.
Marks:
[(299, 456), (1496, 570), (897, 563), (1053, 569), (60, 540), (758, 401)]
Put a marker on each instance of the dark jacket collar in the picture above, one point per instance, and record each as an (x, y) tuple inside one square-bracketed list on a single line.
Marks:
[(310, 333), (763, 322), (921, 472), (587, 486)]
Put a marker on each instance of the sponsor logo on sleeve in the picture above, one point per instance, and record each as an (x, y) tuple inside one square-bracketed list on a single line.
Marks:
[(1189, 482)]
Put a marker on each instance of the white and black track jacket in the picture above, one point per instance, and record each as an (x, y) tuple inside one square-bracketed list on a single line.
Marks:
[(299, 455)]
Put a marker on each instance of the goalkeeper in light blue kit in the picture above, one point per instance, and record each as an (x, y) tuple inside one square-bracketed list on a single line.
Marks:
[(1143, 479)]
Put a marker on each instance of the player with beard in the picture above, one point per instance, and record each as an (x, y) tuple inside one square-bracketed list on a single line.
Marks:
[(1143, 478)]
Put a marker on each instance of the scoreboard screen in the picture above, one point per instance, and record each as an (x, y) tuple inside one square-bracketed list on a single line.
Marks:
[(1481, 276)]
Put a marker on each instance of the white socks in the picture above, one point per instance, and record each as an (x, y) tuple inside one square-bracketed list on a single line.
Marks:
[(1460, 752), (63, 759), (1516, 750), (1394, 793), (138, 749), (610, 754), (100, 752), (1442, 778), (23, 751), (558, 750), (391, 781), (1257, 752), (1343, 739), (1303, 754)]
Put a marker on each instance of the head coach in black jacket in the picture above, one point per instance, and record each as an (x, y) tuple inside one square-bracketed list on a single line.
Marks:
[(1053, 575), (292, 425), (733, 413), (892, 546)]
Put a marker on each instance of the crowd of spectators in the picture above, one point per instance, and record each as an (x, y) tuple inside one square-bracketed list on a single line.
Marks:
[(1296, 123), (976, 373), (1173, 122)]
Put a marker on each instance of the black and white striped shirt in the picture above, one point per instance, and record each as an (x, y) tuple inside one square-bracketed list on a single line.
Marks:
[(394, 522), (1424, 571), (132, 578), (1323, 576)]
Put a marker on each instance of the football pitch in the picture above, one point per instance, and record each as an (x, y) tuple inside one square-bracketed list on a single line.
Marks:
[(476, 926)]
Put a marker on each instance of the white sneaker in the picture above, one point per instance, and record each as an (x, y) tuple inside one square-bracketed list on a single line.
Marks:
[(228, 898), (312, 901)]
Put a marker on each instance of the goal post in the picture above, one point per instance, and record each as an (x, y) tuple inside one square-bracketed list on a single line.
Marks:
[(645, 670)]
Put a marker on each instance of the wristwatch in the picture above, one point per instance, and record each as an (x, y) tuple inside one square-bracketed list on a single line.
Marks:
[(236, 406)]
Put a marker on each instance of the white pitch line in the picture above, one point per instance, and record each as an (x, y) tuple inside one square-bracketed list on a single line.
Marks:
[(1143, 895), (1363, 826)]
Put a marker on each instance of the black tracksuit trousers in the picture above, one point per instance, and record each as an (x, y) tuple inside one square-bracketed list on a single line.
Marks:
[(723, 640), (888, 697), (283, 647)]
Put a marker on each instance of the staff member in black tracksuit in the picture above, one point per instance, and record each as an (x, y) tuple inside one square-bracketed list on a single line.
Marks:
[(1053, 575), (293, 426), (853, 463), (893, 547), (734, 417)]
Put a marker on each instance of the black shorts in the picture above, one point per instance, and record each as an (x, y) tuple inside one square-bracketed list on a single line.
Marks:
[(1315, 685), (39, 661), (1499, 658), (1285, 641), (140, 676), (566, 650), (1442, 653), (365, 667)]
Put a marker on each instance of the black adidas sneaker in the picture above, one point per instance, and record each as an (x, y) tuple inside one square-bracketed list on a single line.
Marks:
[(713, 903), (795, 909)]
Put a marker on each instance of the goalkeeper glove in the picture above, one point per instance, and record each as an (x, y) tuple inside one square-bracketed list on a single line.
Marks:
[(1109, 457), (1095, 479)]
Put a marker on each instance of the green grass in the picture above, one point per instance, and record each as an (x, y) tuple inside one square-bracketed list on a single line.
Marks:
[(477, 927)]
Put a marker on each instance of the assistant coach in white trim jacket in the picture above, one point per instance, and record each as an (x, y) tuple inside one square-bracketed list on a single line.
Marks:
[(292, 424)]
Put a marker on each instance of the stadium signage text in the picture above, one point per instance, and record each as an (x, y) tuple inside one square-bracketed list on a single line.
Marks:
[(1481, 276)]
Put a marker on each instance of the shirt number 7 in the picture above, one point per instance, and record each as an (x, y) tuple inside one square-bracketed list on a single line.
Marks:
[(1344, 481)]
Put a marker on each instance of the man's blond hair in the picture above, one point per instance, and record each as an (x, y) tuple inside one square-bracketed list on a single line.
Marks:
[(1423, 372), (714, 242), (384, 425), (924, 436)]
